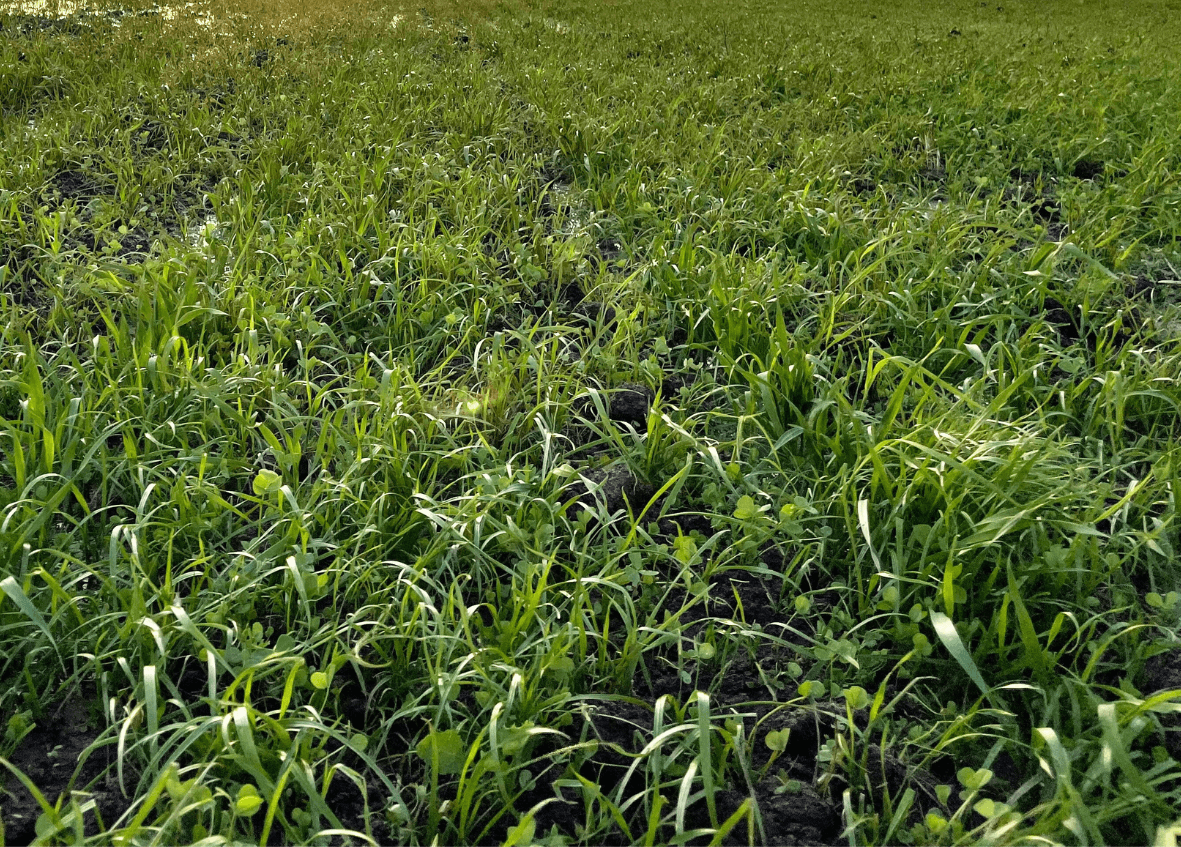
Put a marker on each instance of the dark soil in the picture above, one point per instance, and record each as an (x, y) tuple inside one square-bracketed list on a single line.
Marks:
[(615, 487), (790, 817), (740, 596), (591, 313), (685, 522), (1033, 192), (562, 815), (558, 810), (74, 184), (1089, 168), (621, 728), (22, 26), (1142, 288), (1163, 673), (1060, 319), (19, 282), (793, 807), (611, 252), (1070, 331), (798, 814), (1046, 210), (671, 385), (55, 757), (888, 773), (630, 404), (134, 242), (353, 808), (150, 136)]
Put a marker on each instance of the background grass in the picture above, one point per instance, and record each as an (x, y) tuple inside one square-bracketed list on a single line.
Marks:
[(591, 422)]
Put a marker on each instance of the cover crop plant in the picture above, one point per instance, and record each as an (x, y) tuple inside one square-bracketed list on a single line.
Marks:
[(590, 422)]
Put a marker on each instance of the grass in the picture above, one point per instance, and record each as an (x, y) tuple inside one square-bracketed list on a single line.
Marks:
[(591, 422)]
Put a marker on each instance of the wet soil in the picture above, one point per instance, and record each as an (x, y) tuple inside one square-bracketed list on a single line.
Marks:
[(58, 757), (24, 26)]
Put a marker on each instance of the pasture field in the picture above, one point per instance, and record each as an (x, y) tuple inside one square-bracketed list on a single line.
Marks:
[(617, 422)]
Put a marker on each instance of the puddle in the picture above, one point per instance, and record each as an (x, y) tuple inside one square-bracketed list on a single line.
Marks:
[(56, 14), (49, 9), (203, 236)]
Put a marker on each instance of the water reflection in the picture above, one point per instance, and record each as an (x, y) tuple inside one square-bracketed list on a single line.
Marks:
[(78, 11)]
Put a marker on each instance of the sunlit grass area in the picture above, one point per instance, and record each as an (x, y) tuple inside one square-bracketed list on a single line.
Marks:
[(583, 423)]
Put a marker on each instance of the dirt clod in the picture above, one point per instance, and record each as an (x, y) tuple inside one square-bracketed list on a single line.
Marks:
[(797, 817), (616, 487), (1059, 318), (630, 404)]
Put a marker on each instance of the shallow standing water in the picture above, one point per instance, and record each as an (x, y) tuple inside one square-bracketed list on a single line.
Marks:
[(49, 11)]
